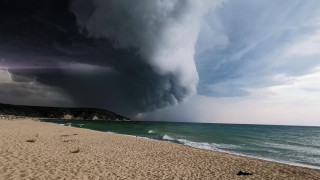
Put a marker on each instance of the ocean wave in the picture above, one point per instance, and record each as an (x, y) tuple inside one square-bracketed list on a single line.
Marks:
[(295, 148), (150, 131), (167, 137), (201, 145), (206, 145)]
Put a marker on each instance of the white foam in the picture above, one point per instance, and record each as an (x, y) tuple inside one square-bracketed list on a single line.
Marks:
[(150, 131), (201, 145), (205, 145), (166, 137)]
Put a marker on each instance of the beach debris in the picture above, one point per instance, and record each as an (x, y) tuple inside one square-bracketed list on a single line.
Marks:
[(70, 140), (240, 173), (31, 140), (76, 151)]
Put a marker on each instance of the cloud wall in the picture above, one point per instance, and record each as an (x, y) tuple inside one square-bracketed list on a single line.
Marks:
[(164, 32)]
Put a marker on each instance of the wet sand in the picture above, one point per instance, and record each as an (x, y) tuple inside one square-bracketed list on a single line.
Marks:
[(40, 150)]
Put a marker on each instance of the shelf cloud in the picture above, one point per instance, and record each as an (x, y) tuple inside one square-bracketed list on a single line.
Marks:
[(124, 55)]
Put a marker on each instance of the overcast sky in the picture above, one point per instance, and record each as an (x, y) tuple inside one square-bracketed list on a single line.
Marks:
[(258, 62), (226, 61)]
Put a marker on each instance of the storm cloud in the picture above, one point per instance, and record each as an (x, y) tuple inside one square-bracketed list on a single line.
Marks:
[(126, 56)]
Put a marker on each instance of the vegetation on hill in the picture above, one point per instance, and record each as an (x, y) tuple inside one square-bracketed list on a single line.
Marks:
[(59, 112)]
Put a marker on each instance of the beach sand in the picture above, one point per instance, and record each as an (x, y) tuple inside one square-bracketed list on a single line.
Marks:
[(101, 155)]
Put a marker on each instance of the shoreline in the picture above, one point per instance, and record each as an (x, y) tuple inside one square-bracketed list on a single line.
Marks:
[(215, 150), (119, 156), (218, 150)]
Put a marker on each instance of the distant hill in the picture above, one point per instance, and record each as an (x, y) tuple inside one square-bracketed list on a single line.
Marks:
[(60, 112)]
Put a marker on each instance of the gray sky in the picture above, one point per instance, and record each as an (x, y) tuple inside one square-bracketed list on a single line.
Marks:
[(259, 63)]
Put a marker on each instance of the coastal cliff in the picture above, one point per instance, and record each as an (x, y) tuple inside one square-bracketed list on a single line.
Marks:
[(59, 112)]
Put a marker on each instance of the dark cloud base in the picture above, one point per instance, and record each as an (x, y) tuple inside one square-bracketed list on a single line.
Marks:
[(42, 39)]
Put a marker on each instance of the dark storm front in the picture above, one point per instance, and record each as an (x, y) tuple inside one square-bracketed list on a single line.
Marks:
[(295, 145)]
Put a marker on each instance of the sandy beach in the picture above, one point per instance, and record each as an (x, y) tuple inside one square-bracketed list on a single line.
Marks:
[(40, 150)]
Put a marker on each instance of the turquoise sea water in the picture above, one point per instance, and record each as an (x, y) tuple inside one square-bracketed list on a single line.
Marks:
[(295, 145)]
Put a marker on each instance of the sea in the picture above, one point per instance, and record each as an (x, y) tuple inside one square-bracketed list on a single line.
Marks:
[(294, 145)]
